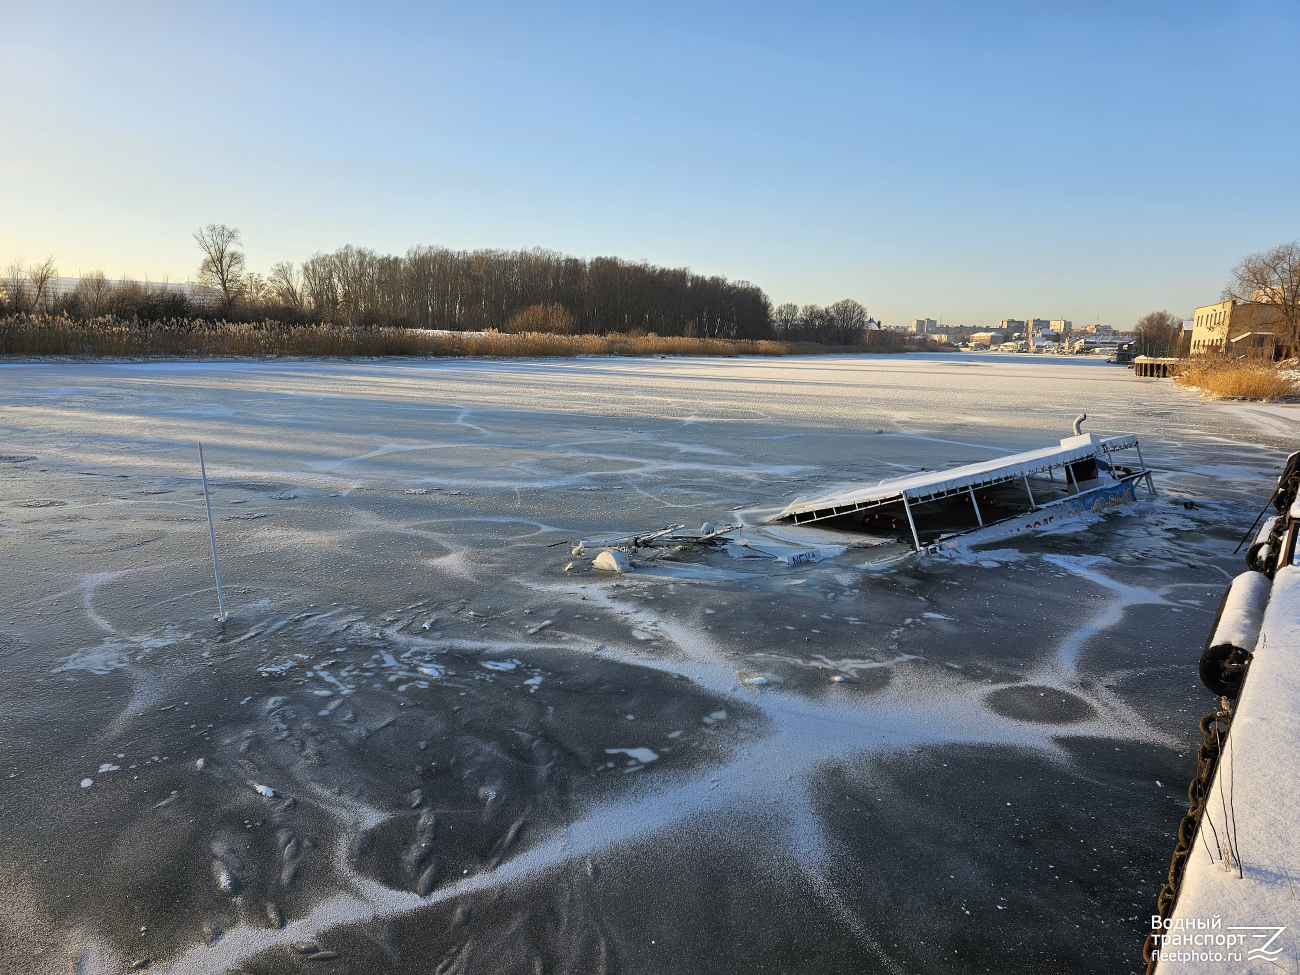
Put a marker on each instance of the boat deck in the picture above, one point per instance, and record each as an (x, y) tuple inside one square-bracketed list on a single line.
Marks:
[(951, 503), (935, 485)]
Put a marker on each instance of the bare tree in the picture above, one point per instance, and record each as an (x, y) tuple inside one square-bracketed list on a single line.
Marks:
[(1158, 332), (92, 292), (15, 286), (39, 276), (286, 284), (254, 287), (223, 263), (847, 318), (784, 318), (1272, 276)]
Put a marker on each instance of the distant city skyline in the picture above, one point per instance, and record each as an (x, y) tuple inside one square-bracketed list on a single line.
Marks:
[(926, 160)]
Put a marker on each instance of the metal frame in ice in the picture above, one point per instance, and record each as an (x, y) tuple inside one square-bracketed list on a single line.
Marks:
[(937, 485)]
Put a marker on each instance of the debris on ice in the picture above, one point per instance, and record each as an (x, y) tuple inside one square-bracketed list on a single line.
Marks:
[(643, 755), (612, 560)]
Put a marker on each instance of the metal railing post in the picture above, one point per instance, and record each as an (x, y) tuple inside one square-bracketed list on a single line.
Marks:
[(1073, 480), (1150, 487), (212, 535), (911, 524)]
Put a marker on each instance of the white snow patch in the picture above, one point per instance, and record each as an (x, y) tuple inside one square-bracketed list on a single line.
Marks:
[(643, 755)]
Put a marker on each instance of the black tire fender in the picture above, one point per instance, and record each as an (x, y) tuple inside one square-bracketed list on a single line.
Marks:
[(1212, 675), (1253, 555)]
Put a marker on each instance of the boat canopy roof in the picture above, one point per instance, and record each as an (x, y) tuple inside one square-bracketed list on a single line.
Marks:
[(932, 485)]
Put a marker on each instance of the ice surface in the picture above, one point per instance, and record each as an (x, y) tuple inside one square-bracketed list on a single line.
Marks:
[(425, 807)]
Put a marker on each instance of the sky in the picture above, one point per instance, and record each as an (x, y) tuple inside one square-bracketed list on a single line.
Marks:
[(960, 161)]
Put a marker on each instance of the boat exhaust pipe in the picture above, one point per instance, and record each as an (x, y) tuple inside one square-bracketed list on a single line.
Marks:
[(1078, 424)]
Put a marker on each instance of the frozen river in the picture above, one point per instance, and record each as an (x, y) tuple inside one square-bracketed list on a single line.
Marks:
[(429, 739)]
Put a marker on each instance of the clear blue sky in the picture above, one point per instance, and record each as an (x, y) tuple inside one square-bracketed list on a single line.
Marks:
[(964, 161)]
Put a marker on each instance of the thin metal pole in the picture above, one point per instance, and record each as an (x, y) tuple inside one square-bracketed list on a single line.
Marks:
[(1250, 531), (1150, 487), (1032, 503), (978, 516), (212, 534), (915, 537), (1073, 480)]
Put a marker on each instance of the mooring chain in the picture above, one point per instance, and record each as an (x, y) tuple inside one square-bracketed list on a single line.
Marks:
[(1215, 725), (1287, 487), (1214, 731)]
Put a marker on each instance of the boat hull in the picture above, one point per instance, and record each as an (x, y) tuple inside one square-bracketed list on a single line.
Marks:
[(1093, 501)]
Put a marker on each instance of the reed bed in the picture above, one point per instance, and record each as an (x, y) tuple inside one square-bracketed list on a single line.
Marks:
[(1222, 376), (24, 335)]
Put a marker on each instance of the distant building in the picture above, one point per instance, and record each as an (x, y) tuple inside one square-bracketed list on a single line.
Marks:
[(1091, 340), (1010, 325), (988, 339), (1217, 328), (923, 326), (1061, 327)]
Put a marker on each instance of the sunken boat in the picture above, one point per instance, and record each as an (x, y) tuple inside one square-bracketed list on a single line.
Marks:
[(1035, 491)]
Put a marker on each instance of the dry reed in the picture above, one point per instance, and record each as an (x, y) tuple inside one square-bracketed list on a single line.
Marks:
[(1257, 379), (23, 335)]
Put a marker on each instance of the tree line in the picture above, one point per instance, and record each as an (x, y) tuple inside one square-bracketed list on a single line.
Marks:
[(843, 323), (441, 288)]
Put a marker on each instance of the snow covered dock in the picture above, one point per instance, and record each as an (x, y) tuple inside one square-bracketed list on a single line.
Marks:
[(1235, 876), (1254, 808)]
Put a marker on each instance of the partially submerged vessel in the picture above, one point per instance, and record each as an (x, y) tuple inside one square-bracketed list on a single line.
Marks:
[(974, 504), (925, 512)]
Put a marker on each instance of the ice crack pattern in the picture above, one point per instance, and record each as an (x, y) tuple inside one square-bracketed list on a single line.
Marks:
[(418, 734)]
